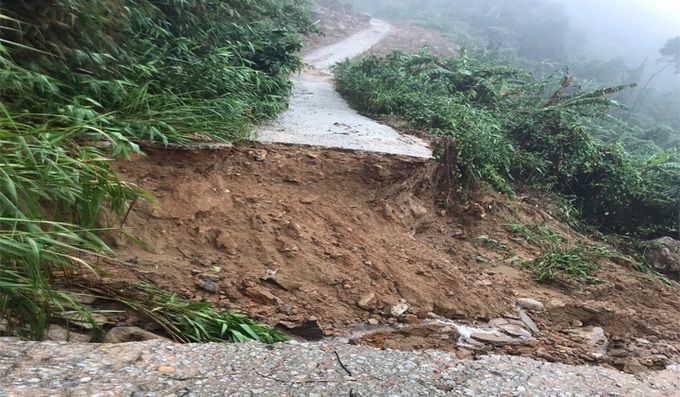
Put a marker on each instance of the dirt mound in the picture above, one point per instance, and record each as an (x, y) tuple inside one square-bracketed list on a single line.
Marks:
[(310, 231), (336, 21), (288, 235), (411, 39)]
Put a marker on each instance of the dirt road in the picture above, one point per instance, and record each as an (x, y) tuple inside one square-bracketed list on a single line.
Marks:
[(318, 116)]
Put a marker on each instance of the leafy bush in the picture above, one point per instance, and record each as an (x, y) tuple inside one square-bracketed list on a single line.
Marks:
[(572, 264), (51, 191), (508, 128), (76, 75), (157, 69), (187, 321), (452, 96)]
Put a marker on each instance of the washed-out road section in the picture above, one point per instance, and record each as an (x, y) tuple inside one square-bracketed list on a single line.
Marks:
[(318, 116)]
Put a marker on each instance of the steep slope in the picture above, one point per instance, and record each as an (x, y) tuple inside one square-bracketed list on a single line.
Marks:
[(290, 234)]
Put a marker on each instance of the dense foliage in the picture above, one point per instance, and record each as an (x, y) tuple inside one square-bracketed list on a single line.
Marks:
[(152, 69), (535, 35), (78, 80), (508, 128)]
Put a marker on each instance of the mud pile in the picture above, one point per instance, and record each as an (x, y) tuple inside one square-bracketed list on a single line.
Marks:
[(294, 236)]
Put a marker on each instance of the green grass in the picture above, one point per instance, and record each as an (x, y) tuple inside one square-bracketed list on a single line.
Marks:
[(572, 264), (491, 243), (187, 321)]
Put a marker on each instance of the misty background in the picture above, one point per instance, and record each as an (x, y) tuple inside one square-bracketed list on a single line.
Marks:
[(563, 32), (628, 29), (601, 43)]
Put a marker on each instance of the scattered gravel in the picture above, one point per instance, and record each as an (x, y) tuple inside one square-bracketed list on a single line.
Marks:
[(157, 368)]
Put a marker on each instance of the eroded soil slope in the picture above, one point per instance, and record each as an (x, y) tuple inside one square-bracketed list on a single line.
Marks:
[(287, 234), (325, 227)]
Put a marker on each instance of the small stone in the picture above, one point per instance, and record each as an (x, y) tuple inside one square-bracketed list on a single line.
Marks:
[(663, 254), (166, 370), (373, 321), (208, 285), (290, 179), (496, 340), (528, 322), (497, 322), (410, 319), (458, 234), (60, 334), (212, 277), (545, 355), (258, 155), (129, 334), (286, 309), (529, 304), (284, 284), (366, 302), (399, 309), (555, 304), (293, 230), (309, 329), (596, 341), (262, 296), (514, 330)]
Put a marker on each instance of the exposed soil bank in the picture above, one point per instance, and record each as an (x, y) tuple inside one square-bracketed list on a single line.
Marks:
[(297, 234)]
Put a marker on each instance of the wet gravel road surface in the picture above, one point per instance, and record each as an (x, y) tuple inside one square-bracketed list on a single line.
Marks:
[(156, 368)]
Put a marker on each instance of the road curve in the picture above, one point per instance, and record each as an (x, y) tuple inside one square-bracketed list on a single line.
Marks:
[(318, 116)]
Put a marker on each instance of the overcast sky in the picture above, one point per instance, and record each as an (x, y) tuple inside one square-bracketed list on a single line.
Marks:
[(632, 28)]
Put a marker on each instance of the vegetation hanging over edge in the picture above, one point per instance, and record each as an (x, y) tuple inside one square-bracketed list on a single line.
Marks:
[(508, 128), (78, 80)]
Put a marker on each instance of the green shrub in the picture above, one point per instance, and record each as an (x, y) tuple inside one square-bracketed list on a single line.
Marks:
[(158, 70), (507, 128), (76, 73)]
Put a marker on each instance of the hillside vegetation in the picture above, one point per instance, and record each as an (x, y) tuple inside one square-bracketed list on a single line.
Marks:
[(593, 131), (79, 81), (508, 129)]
